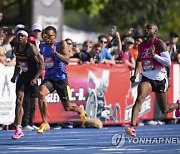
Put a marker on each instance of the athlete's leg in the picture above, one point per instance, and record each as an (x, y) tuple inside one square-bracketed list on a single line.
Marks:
[(33, 107), (18, 115), (43, 92), (19, 108), (163, 104), (144, 89), (64, 94), (68, 106)]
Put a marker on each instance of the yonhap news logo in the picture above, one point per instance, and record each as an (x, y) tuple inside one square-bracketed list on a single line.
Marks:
[(119, 140)]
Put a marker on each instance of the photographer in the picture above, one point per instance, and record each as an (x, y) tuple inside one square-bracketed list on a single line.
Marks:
[(114, 44)]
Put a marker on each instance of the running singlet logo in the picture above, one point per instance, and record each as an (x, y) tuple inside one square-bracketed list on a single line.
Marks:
[(49, 62), (23, 66), (148, 65), (147, 60)]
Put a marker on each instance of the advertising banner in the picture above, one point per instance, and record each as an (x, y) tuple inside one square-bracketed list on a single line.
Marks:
[(7, 95), (105, 91)]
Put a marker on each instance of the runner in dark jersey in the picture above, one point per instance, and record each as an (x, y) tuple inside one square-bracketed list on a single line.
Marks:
[(29, 66), (153, 57), (56, 57)]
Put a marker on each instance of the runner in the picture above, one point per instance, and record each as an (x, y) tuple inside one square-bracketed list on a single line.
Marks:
[(30, 63), (56, 56), (153, 57)]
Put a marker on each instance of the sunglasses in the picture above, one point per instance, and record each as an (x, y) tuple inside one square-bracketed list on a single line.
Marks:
[(36, 30), (69, 43), (103, 41), (88, 46), (47, 36), (21, 35)]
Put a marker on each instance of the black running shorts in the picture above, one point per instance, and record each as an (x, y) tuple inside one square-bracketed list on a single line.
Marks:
[(24, 84), (60, 86), (157, 86)]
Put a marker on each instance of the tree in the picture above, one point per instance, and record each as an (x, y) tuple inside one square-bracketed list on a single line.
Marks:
[(136, 13), (90, 7)]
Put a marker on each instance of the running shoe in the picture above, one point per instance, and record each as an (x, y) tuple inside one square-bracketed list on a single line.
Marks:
[(130, 130), (17, 134), (83, 115), (28, 128), (44, 127), (177, 112)]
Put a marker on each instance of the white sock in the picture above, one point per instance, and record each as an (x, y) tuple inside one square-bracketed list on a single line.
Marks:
[(18, 127)]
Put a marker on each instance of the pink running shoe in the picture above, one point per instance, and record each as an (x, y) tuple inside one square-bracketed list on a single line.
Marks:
[(177, 112), (17, 134), (130, 130)]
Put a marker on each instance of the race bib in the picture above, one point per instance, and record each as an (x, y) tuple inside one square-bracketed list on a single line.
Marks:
[(24, 66), (49, 62), (148, 65)]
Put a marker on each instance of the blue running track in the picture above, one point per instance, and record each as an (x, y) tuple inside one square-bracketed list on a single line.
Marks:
[(159, 139)]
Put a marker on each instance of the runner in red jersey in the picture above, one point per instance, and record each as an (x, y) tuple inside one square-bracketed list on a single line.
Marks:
[(152, 59)]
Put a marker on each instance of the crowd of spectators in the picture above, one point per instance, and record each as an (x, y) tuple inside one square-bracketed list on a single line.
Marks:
[(110, 48)]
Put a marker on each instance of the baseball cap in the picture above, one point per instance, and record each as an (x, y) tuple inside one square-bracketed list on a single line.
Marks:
[(129, 40), (18, 27), (36, 26)]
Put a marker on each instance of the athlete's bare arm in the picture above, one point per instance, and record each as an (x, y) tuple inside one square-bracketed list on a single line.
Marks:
[(137, 67), (38, 59), (17, 69), (64, 52), (164, 57)]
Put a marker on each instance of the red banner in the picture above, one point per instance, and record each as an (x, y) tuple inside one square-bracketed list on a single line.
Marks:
[(106, 93)]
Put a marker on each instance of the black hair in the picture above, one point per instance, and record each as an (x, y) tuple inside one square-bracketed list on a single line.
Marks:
[(173, 34), (51, 28)]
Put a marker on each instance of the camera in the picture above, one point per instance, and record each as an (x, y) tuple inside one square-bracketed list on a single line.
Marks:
[(113, 30), (74, 44)]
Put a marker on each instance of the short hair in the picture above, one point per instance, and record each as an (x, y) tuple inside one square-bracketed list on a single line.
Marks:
[(153, 25), (173, 34), (102, 36), (68, 39), (87, 42), (51, 28), (97, 45)]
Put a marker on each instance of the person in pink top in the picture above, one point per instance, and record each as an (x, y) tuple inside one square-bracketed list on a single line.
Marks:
[(152, 59)]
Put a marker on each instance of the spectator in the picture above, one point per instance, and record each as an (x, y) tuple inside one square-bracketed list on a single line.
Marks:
[(3, 59), (84, 55), (134, 50), (114, 44), (7, 48), (2, 37), (104, 56), (37, 32), (73, 48), (1, 17), (173, 39), (125, 55), (97, 48)]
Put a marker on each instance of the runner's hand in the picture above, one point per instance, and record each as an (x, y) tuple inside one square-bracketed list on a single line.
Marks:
[(53, 48), (133, 78), (13, 79), (152, 50), (33, 82)]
